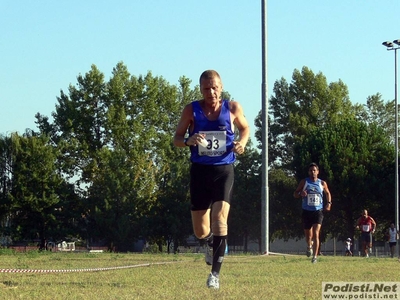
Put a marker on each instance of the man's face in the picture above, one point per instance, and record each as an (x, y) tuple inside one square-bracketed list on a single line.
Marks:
[(364, 213), (211, 89), (313, 172)]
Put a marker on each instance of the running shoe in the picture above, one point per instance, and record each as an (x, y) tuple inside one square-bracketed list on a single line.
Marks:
[(309, 252), (213, 282), (314, 260)]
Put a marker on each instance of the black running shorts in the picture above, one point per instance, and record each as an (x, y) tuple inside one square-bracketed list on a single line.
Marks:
[(209, 184), (311, 217), (366, 237)]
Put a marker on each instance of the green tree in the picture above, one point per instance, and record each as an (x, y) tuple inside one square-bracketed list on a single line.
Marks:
[(306, 103), (169, 220), (116, 140), (35, 183), (5, 182), (376, 111), (284, 210), (120, 195)]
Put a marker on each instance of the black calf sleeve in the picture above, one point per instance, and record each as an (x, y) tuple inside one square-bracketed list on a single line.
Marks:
[(219, 246)]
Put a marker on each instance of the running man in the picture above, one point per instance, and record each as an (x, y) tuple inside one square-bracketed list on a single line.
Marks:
[(311, 191)]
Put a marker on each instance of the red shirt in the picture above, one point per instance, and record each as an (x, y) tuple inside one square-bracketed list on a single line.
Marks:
[(365, 224)]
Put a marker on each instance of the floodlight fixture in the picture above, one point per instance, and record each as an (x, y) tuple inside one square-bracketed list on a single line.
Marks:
[(388, 44), (397, 42)]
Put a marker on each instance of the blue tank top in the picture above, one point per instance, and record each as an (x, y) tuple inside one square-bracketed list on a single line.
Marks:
[(314, 199), (219, 136)]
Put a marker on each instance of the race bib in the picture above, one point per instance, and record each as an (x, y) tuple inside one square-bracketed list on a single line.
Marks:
[(313, 199), (365, 228), (216, 143)]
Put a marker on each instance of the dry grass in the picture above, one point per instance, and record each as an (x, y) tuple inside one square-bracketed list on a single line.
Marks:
[(182, 276)]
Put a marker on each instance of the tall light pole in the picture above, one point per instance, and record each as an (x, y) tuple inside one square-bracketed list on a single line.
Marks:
[(264, 91), (390, 46)]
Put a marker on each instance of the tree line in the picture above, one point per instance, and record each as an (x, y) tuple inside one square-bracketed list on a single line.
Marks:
[(103, 167)]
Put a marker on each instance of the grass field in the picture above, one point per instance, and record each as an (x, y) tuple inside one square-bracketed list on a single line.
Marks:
[(182, 276)]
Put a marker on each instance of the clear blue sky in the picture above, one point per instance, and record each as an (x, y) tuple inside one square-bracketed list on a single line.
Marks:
[(45, 45)]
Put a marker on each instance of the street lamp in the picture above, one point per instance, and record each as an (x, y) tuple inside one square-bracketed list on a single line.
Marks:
[(391, 46)]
